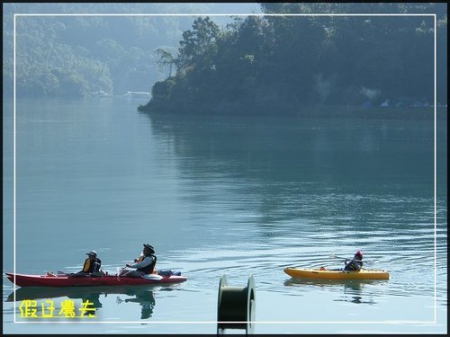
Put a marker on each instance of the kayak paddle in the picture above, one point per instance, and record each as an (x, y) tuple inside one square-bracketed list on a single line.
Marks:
[(333, 256)]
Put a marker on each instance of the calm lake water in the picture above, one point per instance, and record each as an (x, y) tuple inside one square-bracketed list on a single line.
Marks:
[(234, 196)]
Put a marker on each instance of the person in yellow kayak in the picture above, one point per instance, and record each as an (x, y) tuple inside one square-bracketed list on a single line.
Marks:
[(144, 265), (91, 266), (356, 263)]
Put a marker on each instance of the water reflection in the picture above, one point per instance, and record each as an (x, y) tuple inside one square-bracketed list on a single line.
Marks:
[(92, 295), (145, 298), (313, 169), (353, 291)]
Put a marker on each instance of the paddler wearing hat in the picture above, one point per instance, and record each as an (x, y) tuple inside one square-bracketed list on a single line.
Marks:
[(354, 264), (91, 266), (144, 265)]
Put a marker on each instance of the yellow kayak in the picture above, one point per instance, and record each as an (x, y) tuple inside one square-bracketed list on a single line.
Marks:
[(337, 274)]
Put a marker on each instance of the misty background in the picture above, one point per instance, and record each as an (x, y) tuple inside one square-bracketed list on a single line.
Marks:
[(228, 61), (81, 56)]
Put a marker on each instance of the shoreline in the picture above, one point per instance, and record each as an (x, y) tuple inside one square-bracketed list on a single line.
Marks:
[(322, 111)]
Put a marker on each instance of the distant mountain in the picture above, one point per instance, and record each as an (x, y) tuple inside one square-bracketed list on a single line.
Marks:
[(64, 51)]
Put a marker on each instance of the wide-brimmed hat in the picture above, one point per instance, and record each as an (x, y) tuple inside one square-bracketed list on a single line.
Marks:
[(149, 246), (92, 252)]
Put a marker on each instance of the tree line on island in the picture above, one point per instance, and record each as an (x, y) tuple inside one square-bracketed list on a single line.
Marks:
[(262, 62), (277, 63)]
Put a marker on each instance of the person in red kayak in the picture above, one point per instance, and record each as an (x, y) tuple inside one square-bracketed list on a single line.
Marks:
[(91, 266), (144, 265), (356, 263)]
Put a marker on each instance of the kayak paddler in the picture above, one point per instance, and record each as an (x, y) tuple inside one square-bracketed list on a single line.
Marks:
[(356, 263), (91, 266), (144, 265)]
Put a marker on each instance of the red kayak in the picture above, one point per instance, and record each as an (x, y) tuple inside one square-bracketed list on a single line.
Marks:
[(63, 280)]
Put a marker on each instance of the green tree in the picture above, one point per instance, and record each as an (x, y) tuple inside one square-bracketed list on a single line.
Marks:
[(198, 45), (166, 59)]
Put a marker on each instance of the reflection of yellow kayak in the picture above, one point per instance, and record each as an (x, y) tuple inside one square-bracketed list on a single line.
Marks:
[(337, 274)]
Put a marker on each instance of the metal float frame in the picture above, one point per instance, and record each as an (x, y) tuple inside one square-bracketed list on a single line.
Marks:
[(236, 306)]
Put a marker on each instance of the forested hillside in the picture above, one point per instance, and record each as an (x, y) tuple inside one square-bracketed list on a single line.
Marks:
[(220, 63), (277, 63), (87, 54)]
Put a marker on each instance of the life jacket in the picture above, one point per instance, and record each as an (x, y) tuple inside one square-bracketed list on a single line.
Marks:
[(96, 265), (148, 269), (92, 266), (354, 265)]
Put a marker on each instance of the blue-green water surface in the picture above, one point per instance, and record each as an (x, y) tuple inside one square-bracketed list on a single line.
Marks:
[(225, 195)]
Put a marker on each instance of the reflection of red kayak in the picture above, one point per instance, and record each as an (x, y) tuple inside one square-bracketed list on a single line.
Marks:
[(23, 280), (38, 293)]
